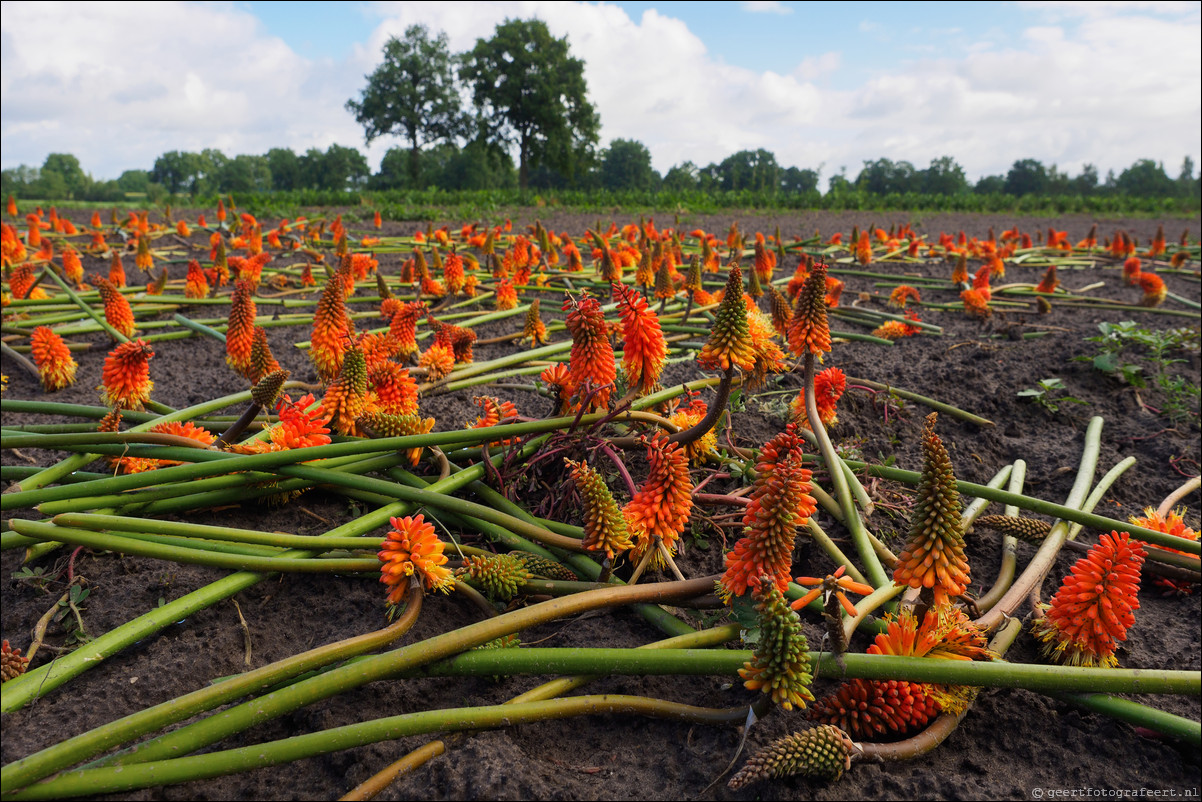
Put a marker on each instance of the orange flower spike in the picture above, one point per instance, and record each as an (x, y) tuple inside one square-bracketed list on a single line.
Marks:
[(534, 329), (903, 293), (181, 228), (592, 356), (507, 296), (394, 388), (604, 525), (346, 398), (376, 220), (1171, 524), (12, 207), (126, 376), (933, 556), (976, 304), (299, 427), (453, 277), (220, 211), (261, 360), (765, 260), (1154, 289), (331, 327), (438, 361), (413, 549), (809, 329), (729, 344), (195, 285), (56, 366), (117, 311), (780, 502), (73, 267), (1131, 270), (240, 333), (662, 506), (144, 259), (864, 249), (1050, 281), (1094, 607), (644, 350)]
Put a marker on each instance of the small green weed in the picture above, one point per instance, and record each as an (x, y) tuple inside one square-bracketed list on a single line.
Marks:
[(1181, 397), (1050, 394)]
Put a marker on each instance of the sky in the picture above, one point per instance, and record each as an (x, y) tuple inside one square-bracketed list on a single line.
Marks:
[(824, 86)]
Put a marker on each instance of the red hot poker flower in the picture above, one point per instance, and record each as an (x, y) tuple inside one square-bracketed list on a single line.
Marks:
[(126, 375), (644, 349), (240, 333), (56, 366), (117, 311), (808, 328), (662, 505), (1094, 607), (592, 355), (412, 548)]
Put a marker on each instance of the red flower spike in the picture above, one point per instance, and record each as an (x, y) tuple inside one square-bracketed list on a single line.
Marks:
[(438, 361), (1131, 270), (412, 548), (1050, 281), (507, 296), (534, 329), (126, 376), (496, 413), (976, 304), (1094, 607), (1171, 524), (73, 267), (829, 386), (663, 504), (56, 366), (903, 293), (644, 350), (394, 388)]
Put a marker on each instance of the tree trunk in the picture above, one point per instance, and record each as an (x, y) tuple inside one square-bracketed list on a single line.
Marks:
[(523, 163), (414, 166)]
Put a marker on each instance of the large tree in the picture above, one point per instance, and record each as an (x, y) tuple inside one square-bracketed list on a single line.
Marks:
[(532, 93), (412, 94)]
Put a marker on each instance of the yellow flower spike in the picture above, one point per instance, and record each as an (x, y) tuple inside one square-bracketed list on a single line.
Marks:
[(780, 665), (604, 526), (730, 342)]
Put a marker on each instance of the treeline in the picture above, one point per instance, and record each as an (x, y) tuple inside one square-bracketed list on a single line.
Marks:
[(529, 99), (623, 172)]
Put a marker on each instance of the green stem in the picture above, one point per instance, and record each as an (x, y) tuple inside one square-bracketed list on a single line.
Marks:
[(1006, 571), (86, 308), (938, 406), (851, 517)]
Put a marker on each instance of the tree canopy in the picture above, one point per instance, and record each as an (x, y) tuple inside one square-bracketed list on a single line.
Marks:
[(531, 93), (413, 94)]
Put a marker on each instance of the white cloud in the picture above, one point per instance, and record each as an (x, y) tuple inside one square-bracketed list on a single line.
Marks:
[(765, 7)]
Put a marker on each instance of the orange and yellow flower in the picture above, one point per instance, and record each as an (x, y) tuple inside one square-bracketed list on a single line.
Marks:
[(56, 366), (780, 502), (1154, 289), (644, 350), (413, 549), (604, 525), (933, 557), (829, 386), (195, 284), (592, 357), (240, 331), (1093, 609), (903, 293), (729, 345), (142, 464), (117, 311), (809, 331), (662, 506), (331, 329), (126, 376), (1171, 524)]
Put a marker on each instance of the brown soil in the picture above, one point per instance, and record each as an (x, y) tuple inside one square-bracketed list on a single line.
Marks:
[(1011, 742)]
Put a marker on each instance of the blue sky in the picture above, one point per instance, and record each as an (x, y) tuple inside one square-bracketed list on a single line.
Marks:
[(821, 85)]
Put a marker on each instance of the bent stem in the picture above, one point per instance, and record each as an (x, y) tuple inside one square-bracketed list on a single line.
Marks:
[(855, 525)]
